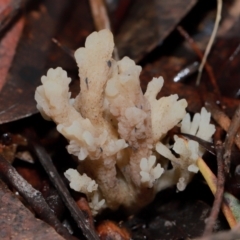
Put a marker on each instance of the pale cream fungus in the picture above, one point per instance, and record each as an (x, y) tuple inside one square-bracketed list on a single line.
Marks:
[(118, 133)]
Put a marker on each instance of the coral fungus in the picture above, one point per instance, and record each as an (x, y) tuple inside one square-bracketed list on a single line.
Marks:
[(118, 133)]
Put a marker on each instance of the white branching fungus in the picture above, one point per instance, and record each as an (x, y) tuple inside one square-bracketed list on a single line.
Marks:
[(166, 112), (188, 151), (84, 184), (200, 125), (95, 204), (80, 183), (150, 171), (117, 132)]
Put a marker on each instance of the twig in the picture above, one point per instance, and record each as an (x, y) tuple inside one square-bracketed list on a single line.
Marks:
[(199, 53), (218, 115), (33, 197), (231, 134), (218, 134), (68, 51), (210, 43), (235, 53), (219, 192), (54, 176), (101, 19), (221, 118)]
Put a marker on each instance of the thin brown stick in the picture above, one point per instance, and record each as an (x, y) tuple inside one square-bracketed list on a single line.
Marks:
[(219, 193), (218, 115), (222, 119), (55, 178), (100, 15), (218, 133), (199, 53), (68, 51), (231, 134), (33, 197)]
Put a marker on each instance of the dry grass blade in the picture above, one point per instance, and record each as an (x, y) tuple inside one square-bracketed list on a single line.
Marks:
[(33, 197), (210, 43), (212, 183), (219, 191), (100, 15)]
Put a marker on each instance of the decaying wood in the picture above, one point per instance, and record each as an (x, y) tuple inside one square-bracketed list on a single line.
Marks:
[(32, 196)]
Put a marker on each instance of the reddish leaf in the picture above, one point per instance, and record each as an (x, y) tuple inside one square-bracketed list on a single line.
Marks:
[(8, 46)]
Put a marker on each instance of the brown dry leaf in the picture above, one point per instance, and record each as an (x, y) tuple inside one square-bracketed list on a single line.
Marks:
[(17, 95), (148, 23), (17, 222)]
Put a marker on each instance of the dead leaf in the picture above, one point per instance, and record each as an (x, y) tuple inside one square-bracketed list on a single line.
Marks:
[(17, 95), (17, 222), (147, 24)]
